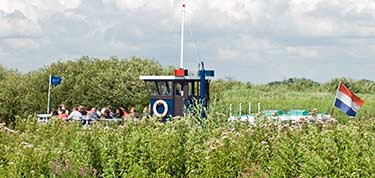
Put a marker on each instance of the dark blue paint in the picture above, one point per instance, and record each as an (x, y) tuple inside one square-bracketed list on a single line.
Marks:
[(160, 109), (202, 96), (345, 108), (55, 80)]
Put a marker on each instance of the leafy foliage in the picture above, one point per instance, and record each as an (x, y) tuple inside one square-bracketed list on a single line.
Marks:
[(288, 95), (11, 96), (183, 148), (296, 84), (186, 147), (87, 81), (102, 82)]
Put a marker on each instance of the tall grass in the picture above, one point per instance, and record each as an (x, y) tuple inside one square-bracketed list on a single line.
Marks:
[(187, 148), (283, 99), (196, 147)]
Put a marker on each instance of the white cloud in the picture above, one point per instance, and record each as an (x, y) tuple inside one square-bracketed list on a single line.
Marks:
[(277, 39), (15, 24), (130, 4), (303, 52), (334, 18), (22, 44), (120, 45), (307, 6), (312, 26), (239, 9), (36, 9)]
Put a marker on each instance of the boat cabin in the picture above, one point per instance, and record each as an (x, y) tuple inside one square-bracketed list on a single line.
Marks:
[(171, 95)]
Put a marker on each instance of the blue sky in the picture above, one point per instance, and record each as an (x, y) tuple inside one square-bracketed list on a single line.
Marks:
[(250, 40)]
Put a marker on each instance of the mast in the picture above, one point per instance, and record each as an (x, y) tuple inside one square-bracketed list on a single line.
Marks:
[(182, 37), (49, 93)]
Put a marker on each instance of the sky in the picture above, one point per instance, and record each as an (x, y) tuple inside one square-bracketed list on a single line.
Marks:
[(249, 40)]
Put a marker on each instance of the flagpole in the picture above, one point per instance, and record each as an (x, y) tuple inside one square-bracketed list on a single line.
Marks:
[(334, 101), (49, 93), (333, 108), (182, 37)]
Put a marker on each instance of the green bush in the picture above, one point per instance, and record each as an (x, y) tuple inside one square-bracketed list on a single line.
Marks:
[(94, 82), (183, 148), (88, 81)]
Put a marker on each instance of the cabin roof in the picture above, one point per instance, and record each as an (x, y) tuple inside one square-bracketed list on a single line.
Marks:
[(169, 77)]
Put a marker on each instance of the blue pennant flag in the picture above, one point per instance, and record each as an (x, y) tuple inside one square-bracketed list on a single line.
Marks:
[(56, 80)]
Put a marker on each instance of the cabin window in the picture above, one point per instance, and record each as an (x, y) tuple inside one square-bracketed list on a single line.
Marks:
[(197, 88), (191, 88), (179, 89), (152, 88), (164, 88)]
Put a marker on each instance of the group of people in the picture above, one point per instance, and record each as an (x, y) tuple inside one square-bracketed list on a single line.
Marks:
[(84, 113)]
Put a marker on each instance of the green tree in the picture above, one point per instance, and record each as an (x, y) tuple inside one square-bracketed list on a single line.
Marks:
[(12, 101), (87, 81)]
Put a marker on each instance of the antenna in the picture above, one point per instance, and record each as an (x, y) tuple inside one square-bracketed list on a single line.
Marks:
[(240, 109), (230, 110), (249, 108), (258, 107), (182, 37)]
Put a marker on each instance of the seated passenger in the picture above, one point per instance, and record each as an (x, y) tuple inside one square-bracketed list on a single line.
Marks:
[(119, 113), (63, 114), (82, 110), (107, 114), (53, 112), (124, 111), (93, 115), (133, 113), (75, 115), (146, 111)]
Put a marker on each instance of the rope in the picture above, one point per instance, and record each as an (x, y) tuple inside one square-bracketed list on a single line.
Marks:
[(197, 54)]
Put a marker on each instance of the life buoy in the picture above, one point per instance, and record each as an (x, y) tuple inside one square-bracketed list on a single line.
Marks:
[(156, 104)]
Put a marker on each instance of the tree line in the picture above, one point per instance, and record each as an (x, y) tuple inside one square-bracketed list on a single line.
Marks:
[(362, 86), (97, 82), (87, 81)]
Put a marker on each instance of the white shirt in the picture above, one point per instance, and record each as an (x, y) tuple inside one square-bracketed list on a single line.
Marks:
[(75, 115)]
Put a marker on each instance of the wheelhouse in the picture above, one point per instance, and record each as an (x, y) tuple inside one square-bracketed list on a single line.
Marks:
[(172, 95)]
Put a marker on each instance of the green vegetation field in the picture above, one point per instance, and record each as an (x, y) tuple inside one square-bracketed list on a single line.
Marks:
[(185, 147)]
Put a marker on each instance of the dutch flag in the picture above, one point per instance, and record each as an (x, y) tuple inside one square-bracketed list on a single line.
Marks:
[(347, 101)]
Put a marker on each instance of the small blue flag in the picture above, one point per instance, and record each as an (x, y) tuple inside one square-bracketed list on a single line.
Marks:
[(56, 80)]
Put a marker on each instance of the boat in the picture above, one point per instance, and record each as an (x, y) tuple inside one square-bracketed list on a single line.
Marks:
[(172, 95)]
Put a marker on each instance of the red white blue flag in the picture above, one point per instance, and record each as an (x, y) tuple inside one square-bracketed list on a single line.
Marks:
[(347, 101)]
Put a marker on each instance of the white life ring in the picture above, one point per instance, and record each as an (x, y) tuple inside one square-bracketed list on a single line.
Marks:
[(156, 104)]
